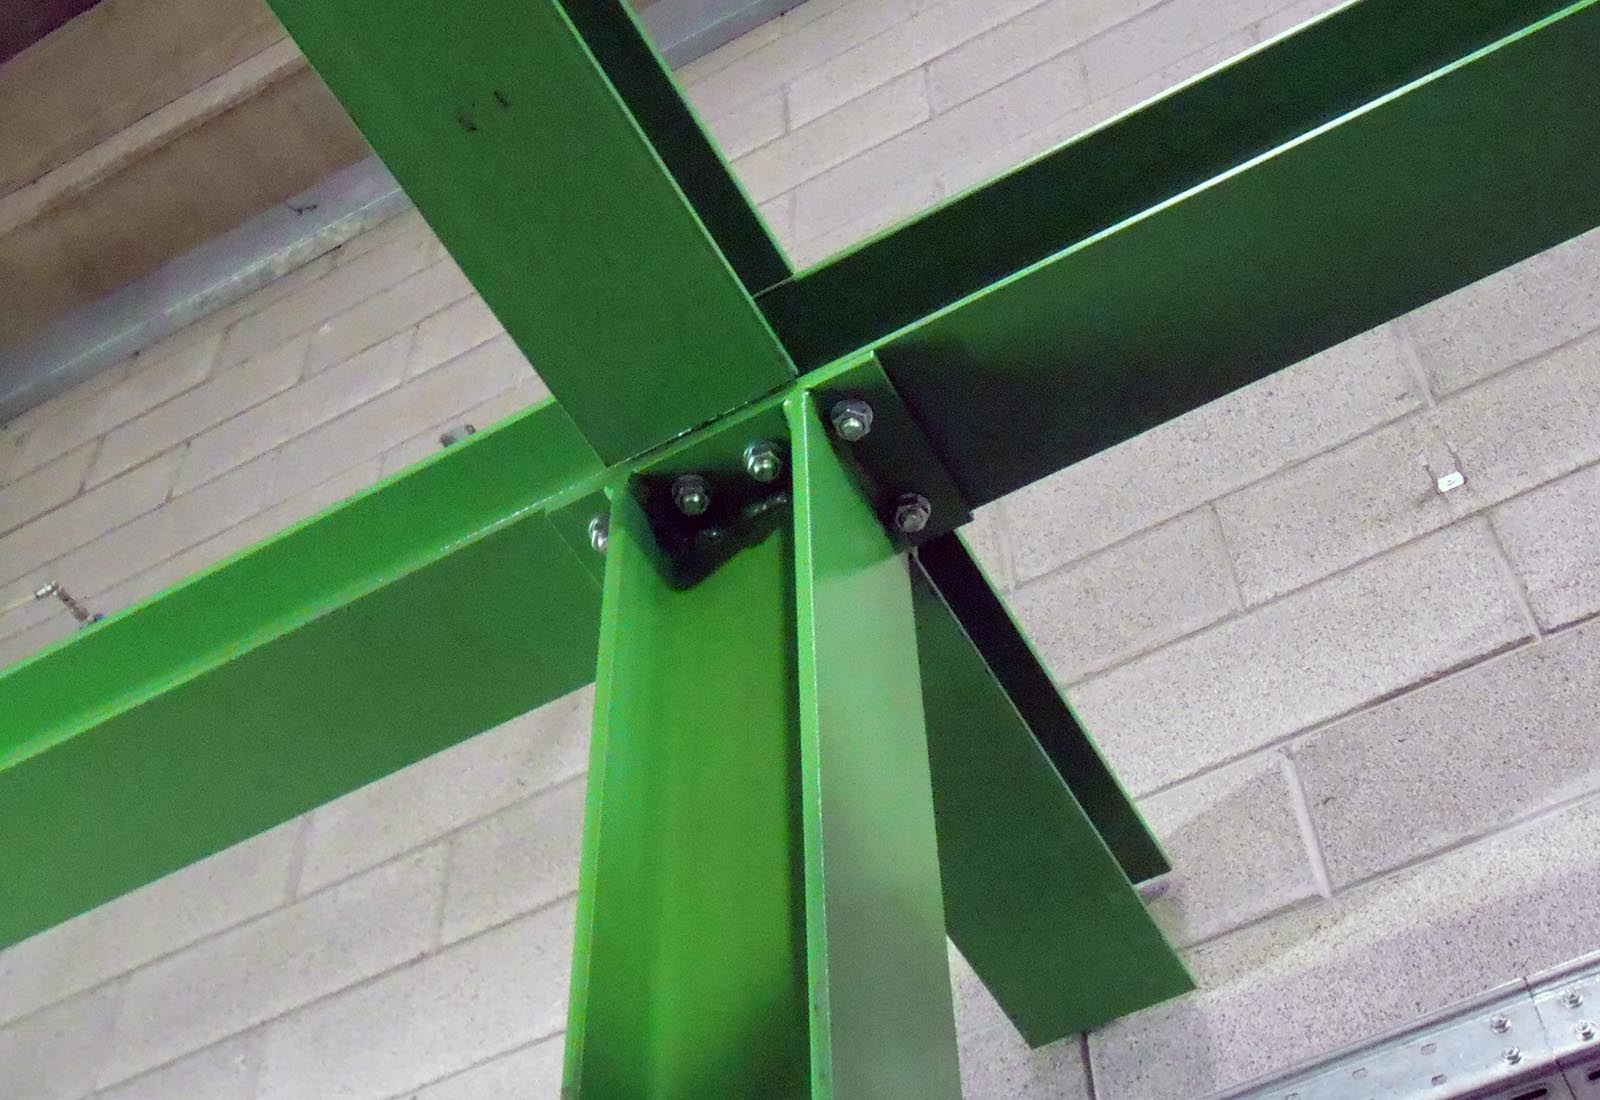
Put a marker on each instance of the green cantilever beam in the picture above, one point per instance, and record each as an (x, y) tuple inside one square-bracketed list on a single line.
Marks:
[(821, 743)]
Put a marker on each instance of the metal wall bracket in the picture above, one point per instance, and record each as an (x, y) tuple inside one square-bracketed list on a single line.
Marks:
[(1533, 1039)]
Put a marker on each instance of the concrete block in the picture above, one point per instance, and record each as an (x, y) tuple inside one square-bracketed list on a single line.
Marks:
[(10, 444), (983, 165), (386, 313), (529, 391), (750, 125), (1289, 416), (976, 1009), (897, 204), (52, 484), (232, 886), (532, 1073), (25, 643), (1162, 36), (444, 792), (85, 517), (230, 393), (1038, 34), (1511, 316), (1292, 17), (470, 1002), (692, 75), (835, 137), (520, 859), (54, 1054), (1159, 585), (1527, 426), (407, 225), (793, 50), (778, 213), (934, 30), (1434, 605), (295, 412), (1457, 759), (226, 1071), (862, 184), (1338, 508), (369, 429), (997, 1065), (176, 526), (988, 536), (450, 332), (1236, 849), (275, 963), (345, 286), (1552, 536), (259, 299), (161, 372), (1280, 993)]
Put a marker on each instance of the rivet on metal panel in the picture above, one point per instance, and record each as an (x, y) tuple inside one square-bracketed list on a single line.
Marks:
[(599, 533)]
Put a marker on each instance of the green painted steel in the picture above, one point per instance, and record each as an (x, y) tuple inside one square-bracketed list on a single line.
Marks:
[(1035, 900), (615, 37), (1028, 685), (688, 972), (499, 124), (883, 1026), (1393, 160), (431, 607)]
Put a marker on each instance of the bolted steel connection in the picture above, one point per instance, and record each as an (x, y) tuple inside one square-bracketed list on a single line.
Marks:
[(762, 461), (1572, 999), (1499, 1025), (911, 513), (1512, 1055), (1586, 1031), (852, 419), (691, 495), (599, 533)]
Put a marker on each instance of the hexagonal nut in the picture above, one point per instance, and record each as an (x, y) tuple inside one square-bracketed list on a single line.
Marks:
[(691, 495), (852, 419), (763, 461), (912, 513)]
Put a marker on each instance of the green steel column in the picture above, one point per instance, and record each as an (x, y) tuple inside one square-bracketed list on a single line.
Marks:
[(882, 1024), (689, 963)]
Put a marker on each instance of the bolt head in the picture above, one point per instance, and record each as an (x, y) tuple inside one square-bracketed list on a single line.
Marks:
[(1586, 1031), (452, 436), (1499, 1025), (911, 513), (599, 534), (762, 461), (1512, 1055), (691, 495), (1572, 999), (852, 419)]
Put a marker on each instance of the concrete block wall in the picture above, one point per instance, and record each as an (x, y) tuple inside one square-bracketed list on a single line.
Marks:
[(1359, 711)]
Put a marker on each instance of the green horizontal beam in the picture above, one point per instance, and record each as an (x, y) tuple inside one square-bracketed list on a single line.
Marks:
[(1035, 891), (500, 124), (1391, 153), (423, 611)]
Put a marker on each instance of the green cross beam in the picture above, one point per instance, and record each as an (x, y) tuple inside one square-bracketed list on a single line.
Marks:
[(820, 742)]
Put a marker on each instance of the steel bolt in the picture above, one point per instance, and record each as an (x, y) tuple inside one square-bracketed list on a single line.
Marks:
[(911, 513), (1586, 1031), (1499, 1025), (1512, 1055), (599, 533), (1572, 999), (852, 419), (762, 461), (456, 434), (691, 494)]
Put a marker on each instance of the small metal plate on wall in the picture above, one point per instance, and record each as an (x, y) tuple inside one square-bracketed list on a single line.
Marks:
[(1537, 1039)]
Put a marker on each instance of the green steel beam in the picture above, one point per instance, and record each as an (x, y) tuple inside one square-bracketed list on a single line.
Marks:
[(1029, 689), (416, 614), (500, 125), (759, 907), (882, 1023), (1391, 153), (688, 973), (1034, 898)]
